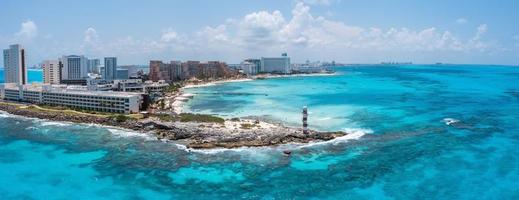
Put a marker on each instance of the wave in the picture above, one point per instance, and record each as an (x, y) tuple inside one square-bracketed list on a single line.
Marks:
[(450, 121), (116, 131), (54, 123), (224, 150), (128, 133), (4, 114), (352, 134)]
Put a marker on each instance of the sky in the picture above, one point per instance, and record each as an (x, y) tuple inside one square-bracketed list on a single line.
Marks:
[(347, 31)]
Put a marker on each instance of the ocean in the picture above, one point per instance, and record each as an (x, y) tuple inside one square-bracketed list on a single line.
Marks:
[(33, 75), (418, 132)]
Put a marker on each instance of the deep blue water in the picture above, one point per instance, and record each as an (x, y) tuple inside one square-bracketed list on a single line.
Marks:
[(407, 150)]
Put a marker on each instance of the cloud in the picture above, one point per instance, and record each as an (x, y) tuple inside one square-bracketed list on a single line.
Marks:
[(169, 35), (90, 35), (271, 30), (91, 42), (319, 2), (302, 34), (461, 21), (267, 33), (28, 30)]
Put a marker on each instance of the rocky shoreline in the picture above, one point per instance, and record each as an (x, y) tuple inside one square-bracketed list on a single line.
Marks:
[(198, 135)]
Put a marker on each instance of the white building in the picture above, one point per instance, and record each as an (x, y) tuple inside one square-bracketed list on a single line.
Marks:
[(136, 85), (248, 68), (276, 65), (51, 72), (60, 95), (74, 67), (15, 69)]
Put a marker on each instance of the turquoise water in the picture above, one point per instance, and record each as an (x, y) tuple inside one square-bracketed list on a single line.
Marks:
[(407, 151), (34, 75)]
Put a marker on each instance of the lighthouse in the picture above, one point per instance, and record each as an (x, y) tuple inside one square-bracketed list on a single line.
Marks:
[(305, 120)]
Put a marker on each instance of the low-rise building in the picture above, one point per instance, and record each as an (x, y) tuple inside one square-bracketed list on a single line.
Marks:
[(136, 85), (61, 95)]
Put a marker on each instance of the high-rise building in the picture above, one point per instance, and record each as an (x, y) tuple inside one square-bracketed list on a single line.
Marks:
[(155, 70), (14, 65), (110, 68), (93, 65), (122, 74), (51, 72), (133, 70), (176, 70), (276, 64), (74, 68)]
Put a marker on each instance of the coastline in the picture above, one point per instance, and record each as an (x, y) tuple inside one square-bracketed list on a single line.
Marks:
[(228, 134), (180, 99)]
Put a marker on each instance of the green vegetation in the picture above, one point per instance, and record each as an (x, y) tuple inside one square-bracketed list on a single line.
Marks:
[(66, 108), (247, 126), (190, 117), (166, 117), (120, 118), (235, 119), (173, 88)]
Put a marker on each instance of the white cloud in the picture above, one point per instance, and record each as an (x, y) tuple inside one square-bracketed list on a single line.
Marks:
[(319, 2), (28, 30), (265, 30), (461, 21), (169, 35), (301, 34), (90, 35), (91, 43), (265, 33)]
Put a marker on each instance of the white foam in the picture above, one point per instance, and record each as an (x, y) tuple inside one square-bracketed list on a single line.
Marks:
[(352, 134), (4, 114), (129, 133), (54, 123), (222, 150), (450, 121)]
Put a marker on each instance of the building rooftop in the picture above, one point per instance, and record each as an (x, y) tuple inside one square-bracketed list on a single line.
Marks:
[(37, 87)]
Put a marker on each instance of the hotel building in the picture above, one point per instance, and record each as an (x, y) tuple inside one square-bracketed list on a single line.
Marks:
[(51, 72), (14, 65), (74, 69), (276, 65), (173, 71), (93, 65), (102, 101), (110, 68)]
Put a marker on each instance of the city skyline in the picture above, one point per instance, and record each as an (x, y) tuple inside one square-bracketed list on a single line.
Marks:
[(468, 32)]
